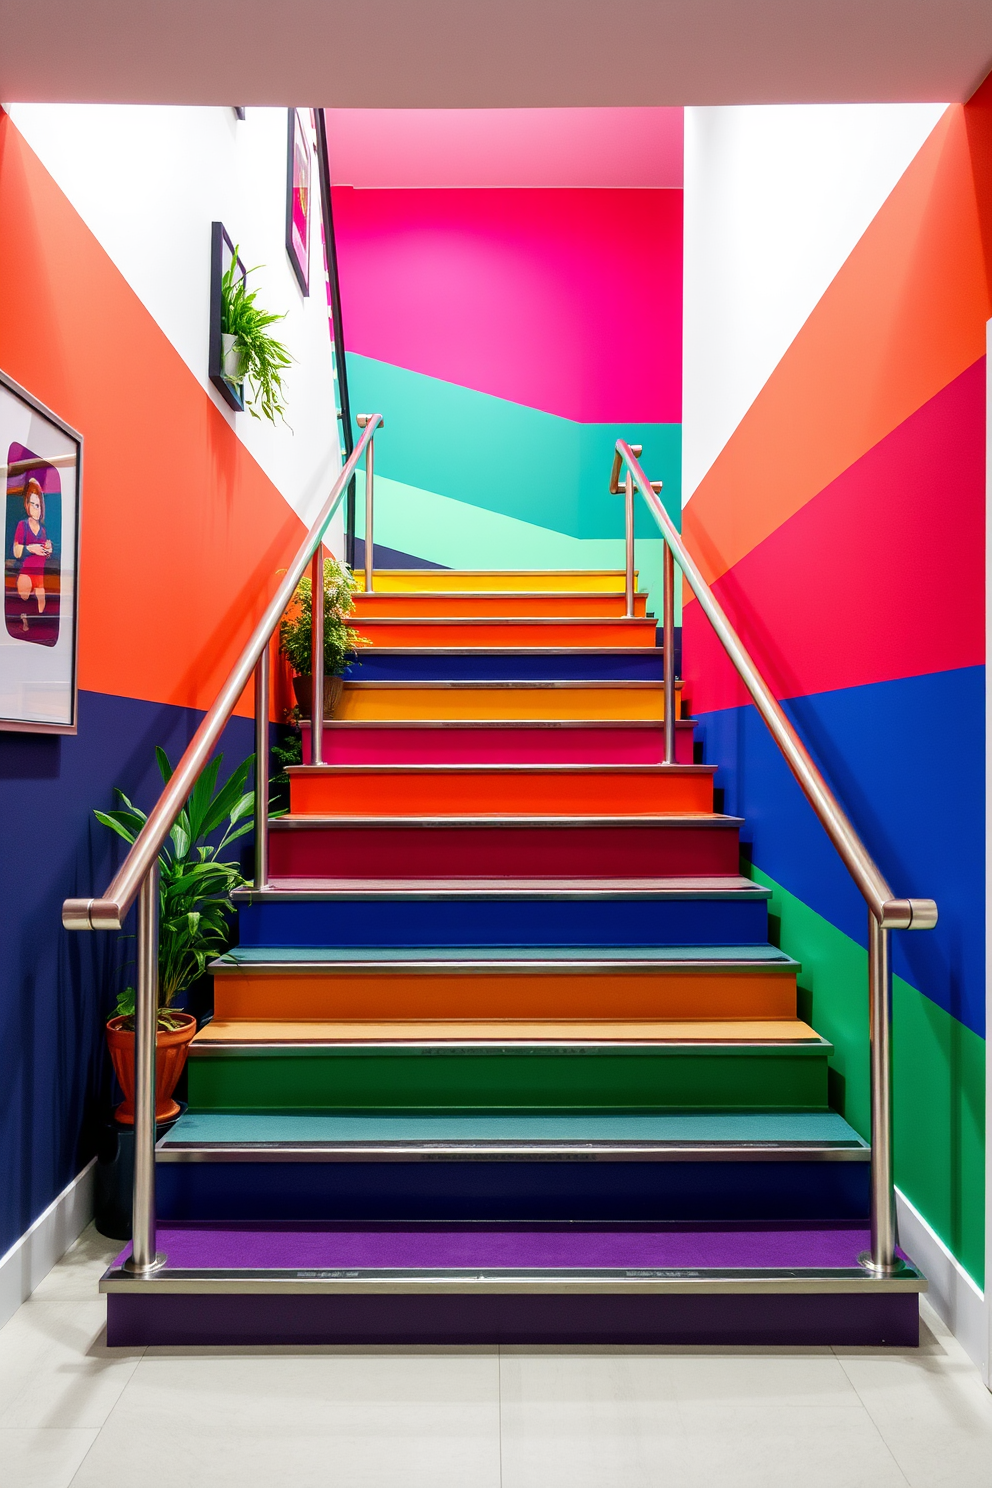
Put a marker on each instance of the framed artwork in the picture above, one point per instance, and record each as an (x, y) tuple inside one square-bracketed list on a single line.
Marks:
[(222, 255), (298, 198), (42, 469)]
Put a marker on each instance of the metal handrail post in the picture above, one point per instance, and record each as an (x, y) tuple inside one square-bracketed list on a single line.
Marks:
[(882, 1256), (668, 637), (317, 656), (369, 539), (262, 770), (628, 507), (144, 1258)]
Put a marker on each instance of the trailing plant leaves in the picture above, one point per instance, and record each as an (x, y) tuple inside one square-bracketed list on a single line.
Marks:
[(265, 358)]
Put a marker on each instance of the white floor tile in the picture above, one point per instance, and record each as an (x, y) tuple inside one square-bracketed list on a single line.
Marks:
[(931, 1409), (348, 1419), (42, 1459), (75, 1277), (55, 1369), (607, 1420)]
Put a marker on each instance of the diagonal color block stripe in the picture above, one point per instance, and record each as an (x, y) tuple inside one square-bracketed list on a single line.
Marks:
[(939, 1074), (505, 457), (879, 576), (566, 300), (897, 324)]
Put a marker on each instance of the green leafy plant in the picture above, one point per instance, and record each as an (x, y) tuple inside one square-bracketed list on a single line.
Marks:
[(195, 881), (339, 637), (264, 359)]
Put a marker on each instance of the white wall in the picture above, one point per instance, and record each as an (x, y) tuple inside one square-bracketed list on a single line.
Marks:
[(775, 199), (148, 182)]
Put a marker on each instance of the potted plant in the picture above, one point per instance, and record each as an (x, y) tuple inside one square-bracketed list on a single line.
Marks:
[(195, 883), (249, 353), (339, 637)]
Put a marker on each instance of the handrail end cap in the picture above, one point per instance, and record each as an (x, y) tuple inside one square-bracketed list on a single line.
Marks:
[(91, 914), (909, 914)]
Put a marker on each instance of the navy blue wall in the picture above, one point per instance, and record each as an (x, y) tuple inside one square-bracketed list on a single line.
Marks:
[(56, 988)]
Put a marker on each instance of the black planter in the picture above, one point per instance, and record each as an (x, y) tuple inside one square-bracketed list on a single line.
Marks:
[(115, 1177)]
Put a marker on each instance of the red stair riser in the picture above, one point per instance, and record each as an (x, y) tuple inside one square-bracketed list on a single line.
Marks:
[(451, 745), (470, 792), (587, 851)]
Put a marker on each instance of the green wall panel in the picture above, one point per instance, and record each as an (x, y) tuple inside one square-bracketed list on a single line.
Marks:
[(504, 457), (939, 1072)]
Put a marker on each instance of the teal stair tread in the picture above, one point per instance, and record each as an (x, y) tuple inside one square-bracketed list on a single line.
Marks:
[(259, 957), (710, 888), (815, 1130)]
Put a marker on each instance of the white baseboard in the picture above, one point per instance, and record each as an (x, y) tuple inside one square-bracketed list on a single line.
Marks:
[(29, 1259), (952, 1294)]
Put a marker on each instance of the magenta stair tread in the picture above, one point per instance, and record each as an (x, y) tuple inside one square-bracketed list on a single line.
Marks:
[(506, 1247)]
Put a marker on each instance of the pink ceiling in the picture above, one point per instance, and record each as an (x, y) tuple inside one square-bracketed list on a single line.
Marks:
[(493, 53), (387, 148)]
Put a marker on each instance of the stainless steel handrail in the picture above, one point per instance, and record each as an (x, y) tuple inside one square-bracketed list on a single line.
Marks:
[(885, 912), (138, 874)]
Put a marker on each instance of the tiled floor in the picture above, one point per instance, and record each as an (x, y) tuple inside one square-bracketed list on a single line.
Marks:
[(73, 1412)]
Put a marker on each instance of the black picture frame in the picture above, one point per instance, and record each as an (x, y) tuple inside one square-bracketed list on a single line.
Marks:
[(299, 174), (222, 251), (56, 447)]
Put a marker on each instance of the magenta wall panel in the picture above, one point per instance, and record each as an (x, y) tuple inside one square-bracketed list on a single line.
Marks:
[(568, 301)]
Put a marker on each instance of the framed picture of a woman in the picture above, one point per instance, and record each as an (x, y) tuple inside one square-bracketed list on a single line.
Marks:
[(41, 466)]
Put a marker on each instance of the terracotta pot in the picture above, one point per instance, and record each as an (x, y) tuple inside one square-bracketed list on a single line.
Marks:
[(332, 695), (171, 1048)]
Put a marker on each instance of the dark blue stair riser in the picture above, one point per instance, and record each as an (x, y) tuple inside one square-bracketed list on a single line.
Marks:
[(301, 1192), (507, 922), (807, 1319), (380, 665)]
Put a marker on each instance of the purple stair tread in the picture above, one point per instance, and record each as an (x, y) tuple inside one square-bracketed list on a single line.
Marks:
[(444, 1247)]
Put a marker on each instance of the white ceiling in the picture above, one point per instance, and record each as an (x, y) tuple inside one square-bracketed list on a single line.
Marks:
[(493, 53)]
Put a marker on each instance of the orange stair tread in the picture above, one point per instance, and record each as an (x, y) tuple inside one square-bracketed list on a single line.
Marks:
[(296, 1031)]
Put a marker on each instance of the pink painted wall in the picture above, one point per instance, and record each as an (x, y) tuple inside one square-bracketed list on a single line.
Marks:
[(628, 147), (565, 300)]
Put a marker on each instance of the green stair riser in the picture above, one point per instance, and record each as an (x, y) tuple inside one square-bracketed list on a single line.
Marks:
[(379, 1080)]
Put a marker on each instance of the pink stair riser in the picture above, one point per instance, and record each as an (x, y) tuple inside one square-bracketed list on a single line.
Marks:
[(450, 745), (650, 848)]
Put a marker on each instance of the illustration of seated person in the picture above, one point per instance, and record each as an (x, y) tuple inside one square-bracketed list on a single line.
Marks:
[(32, 547)]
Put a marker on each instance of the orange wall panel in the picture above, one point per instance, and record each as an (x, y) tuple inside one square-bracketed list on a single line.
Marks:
[(183, 534)]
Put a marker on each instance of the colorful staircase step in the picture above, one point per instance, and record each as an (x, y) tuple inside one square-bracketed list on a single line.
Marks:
[(505, 1076), (496, 631), (491, 605), (247, 1033), (513, 1284), (797, 1166), (509, 664), (670, 983), (515, 847), (727, 912), (495, 580), (470, 701), (763, 1136), (500, 790), (430, 742)]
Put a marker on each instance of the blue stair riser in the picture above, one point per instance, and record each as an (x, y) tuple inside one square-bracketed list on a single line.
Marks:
[(548, 1190), (381, 665), (504, 922)]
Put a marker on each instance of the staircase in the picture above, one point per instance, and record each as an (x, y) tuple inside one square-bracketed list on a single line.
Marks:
[(504, 1053)]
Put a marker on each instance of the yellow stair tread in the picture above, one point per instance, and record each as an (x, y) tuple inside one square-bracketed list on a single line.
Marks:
[(303, 1031)]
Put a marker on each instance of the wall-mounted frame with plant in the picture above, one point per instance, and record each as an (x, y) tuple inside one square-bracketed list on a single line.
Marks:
[(244, 354)]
